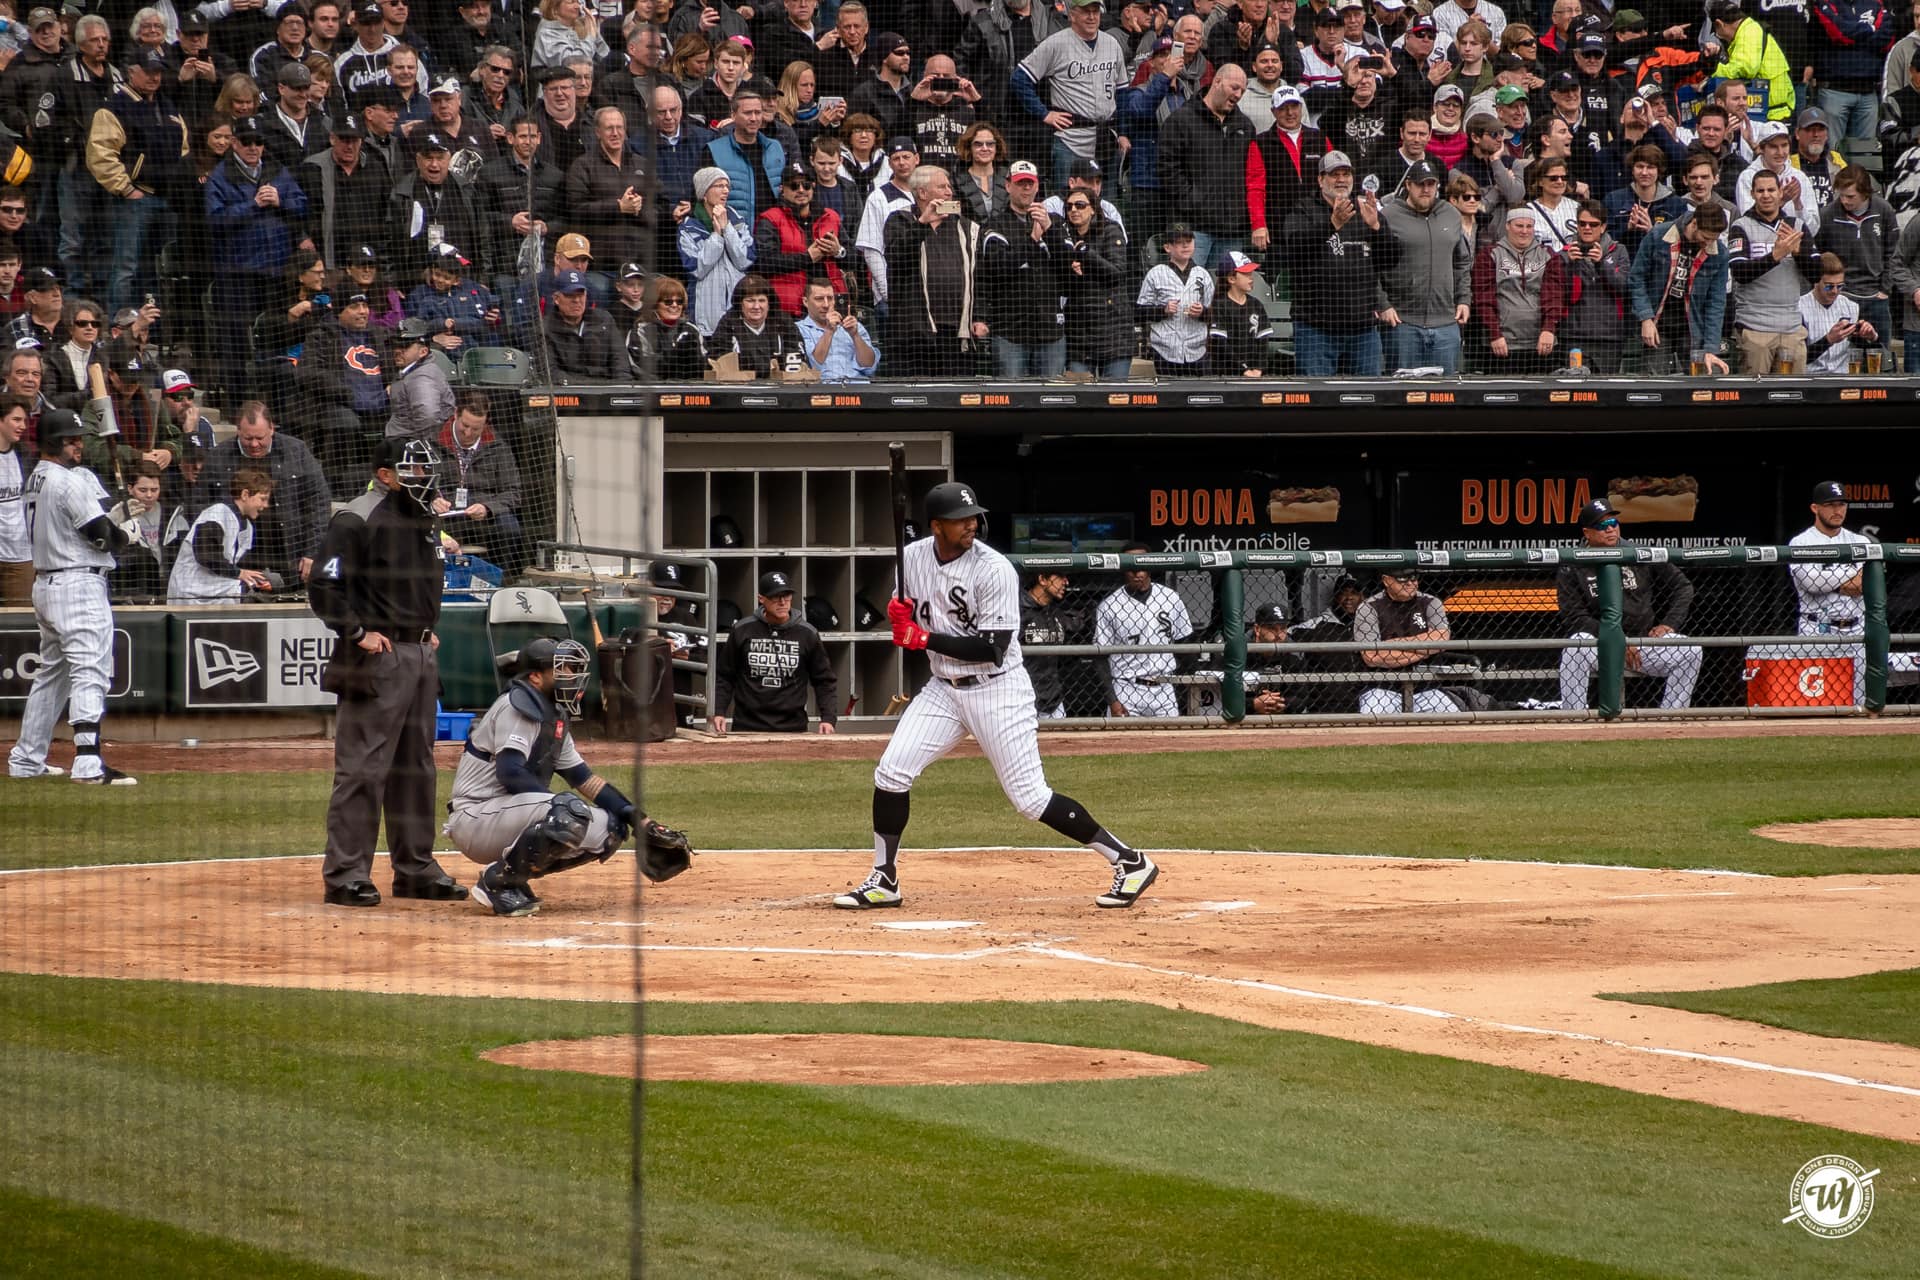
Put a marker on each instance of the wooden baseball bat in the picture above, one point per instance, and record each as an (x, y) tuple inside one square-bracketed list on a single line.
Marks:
[(897, 465), (593, 621)]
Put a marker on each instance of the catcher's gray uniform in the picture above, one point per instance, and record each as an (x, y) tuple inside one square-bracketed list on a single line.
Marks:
[(487, 818)]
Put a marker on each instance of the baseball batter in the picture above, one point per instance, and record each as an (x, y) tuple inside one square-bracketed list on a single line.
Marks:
[(505, 813), (1141, 611), (963, 607), (73, 546), (1830, 594)]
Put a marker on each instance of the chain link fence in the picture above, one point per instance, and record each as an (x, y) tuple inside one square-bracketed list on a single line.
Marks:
[(1747, 631)]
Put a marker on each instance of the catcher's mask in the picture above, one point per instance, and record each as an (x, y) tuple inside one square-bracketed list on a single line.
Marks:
[(567, 660)]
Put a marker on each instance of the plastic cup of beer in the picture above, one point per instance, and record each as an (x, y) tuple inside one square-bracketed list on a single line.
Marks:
[(1873, 360), (1853, 363), (1696, 367), (1783, 365)]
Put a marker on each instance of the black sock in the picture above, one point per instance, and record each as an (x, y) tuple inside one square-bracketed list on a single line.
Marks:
[(1071, 819), (889, 823)]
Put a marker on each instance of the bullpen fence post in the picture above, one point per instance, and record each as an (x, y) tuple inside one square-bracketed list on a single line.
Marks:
[(1612, 639), (1873, 593), (1233, 688)]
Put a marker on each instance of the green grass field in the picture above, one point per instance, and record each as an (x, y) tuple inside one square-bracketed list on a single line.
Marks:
[(363, 1133), (1874, 1006), (1654, 804), (185, 1130)]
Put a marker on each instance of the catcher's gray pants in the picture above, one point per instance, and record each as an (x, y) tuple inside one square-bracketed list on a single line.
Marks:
[(486, 830), (1678, 664)]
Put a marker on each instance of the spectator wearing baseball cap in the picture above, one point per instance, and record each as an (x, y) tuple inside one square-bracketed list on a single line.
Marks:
[(180, 400), (254, 207), (888, 196), (429, 207), (794, 241), (350, 189), (342, 383), (134, 149), (1022, 249), (1773, 148), (1071, 82), (446, 116), (1176, 297), (582, 345), (1428, 280), (1280, 167), (1334, 245), (1239, 331), (465, 314)]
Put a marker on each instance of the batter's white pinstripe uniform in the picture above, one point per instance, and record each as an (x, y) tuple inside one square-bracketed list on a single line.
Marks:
[(76, 622), (975, 592), (1124, 618)]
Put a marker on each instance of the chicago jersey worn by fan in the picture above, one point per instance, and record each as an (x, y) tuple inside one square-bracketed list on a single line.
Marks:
[(962, 606)]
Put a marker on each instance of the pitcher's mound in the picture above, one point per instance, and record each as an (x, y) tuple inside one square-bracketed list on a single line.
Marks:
[(839, 1059), (1848, 833)]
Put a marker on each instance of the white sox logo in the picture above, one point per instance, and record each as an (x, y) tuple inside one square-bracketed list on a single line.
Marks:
[(957, 597), (220, 665)]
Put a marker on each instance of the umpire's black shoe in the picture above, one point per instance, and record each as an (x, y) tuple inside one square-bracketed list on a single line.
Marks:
[(440, 888), (360, 893)]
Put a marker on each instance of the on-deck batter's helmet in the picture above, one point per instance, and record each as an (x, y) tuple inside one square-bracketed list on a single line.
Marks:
[(952, 501), (723, 532), (567, 659), (821, 615), (865, 616)]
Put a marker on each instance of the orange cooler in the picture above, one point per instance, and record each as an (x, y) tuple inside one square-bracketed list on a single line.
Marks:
[(1822, 681)]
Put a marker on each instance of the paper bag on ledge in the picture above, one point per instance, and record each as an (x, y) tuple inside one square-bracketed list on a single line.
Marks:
[(727, 368)]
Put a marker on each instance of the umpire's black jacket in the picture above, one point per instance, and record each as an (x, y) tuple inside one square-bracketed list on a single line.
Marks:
[(379, 569), (767, 669)]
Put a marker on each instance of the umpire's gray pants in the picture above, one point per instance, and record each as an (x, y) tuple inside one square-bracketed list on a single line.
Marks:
[(485, 831), (383, 762)]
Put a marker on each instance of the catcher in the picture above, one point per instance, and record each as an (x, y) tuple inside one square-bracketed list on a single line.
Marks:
[(505, 814)]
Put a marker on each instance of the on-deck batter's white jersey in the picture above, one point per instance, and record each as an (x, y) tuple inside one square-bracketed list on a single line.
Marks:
[(16, 546), (1819, 584), (1159, 619), (975, 592), (502, 728), (60, 502)]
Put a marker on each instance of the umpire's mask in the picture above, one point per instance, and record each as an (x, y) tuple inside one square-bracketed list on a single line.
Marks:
[(415, 472)]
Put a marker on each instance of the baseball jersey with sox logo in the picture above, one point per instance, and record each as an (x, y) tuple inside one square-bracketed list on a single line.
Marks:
[(1124, 618), (976, 592), (61, 501)]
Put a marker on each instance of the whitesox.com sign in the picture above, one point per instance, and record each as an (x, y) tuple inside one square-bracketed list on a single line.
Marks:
[(20, 663), (256, 662)]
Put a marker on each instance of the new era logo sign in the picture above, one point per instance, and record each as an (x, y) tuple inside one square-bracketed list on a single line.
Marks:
[(216, 664)]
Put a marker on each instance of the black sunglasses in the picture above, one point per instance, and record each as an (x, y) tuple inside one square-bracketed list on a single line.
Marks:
[(1078, 204), (798, 183), (86, 324), (1588, 222)]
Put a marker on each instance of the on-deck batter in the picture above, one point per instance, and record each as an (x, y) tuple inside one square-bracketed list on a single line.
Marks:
[(73, 545), (1831, 596), (963, 608)]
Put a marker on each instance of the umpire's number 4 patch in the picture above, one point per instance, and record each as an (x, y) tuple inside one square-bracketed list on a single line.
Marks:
[(331, 569)]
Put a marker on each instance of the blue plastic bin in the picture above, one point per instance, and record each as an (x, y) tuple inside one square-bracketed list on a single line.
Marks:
[(451, 726), (464, 574)]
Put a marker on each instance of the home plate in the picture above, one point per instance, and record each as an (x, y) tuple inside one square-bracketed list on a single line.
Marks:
[(929, 926)]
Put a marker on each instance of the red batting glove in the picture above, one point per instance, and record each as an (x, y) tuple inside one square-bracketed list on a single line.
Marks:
[(909, 635), (899, 611)]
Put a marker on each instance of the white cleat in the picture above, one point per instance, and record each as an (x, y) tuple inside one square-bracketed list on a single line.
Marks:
[(1130, 880), (875, 891)]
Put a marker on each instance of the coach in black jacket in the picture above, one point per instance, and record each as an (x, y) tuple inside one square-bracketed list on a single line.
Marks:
[(766, 665)]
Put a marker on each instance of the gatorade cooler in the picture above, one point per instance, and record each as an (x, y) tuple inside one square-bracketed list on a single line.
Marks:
[(1825, 680)]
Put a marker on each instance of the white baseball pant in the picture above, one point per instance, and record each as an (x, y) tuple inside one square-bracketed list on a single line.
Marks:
[(1678, 665), (1145, 699), (1391, 702), (485, 831), (76, 666), (1001, 717)]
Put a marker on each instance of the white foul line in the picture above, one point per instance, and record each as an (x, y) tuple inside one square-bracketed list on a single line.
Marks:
[(1046, 948)]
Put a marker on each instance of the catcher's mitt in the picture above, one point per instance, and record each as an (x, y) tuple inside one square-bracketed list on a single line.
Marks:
[(665, 852)]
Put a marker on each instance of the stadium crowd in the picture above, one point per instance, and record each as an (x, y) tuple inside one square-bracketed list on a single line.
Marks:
[(314, 205)]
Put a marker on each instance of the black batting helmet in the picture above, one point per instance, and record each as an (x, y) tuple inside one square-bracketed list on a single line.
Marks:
[(723, 532), (952, 501), (865, 616), (725, 614)]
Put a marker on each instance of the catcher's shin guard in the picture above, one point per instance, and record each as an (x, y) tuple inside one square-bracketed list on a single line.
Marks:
[(558, 833)]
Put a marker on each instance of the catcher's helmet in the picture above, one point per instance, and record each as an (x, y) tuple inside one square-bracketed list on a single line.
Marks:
[(821, 615), (865, 616), (952, 501), (567, 659), (723, 532)]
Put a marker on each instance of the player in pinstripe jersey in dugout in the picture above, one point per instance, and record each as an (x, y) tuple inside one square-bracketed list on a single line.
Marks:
[(962, 605)]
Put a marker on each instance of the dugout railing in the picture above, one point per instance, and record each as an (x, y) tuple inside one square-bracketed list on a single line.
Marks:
[(1511, 650)]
